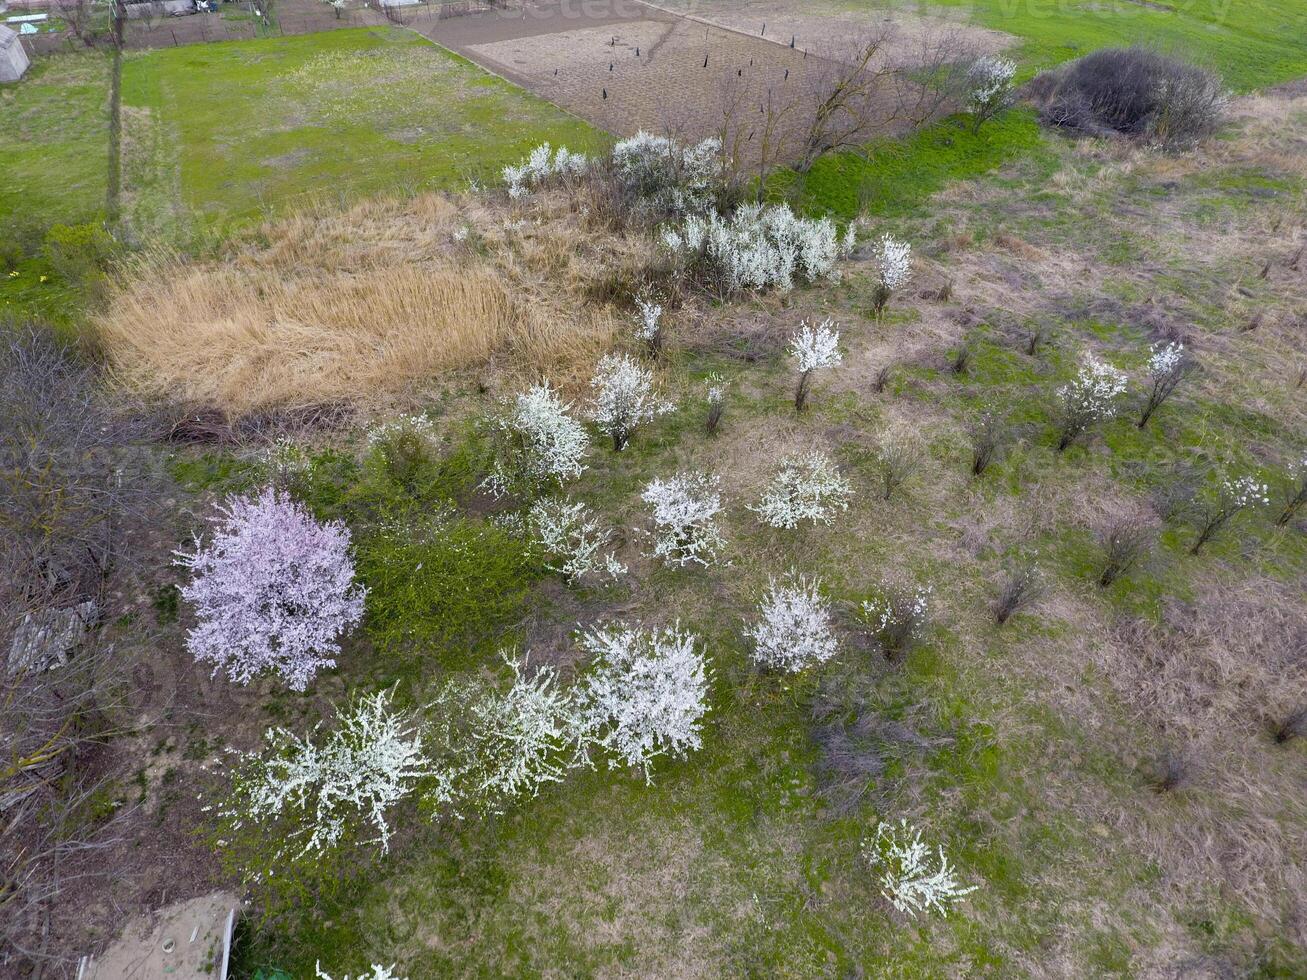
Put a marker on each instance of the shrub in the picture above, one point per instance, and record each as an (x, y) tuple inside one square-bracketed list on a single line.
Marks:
[(404, 448), (757, 248), (1135, 92), (1124, 544), (274, 590), (805, 488), (1090, 397), (899, 457), (1021, 586), (1214, 508), (646, 694), (665, 178), (897, 618), (989, 88), (79, 253), (577, 543), (813, 349), (988, 434), (1167, 366), (437, 581), (376, 971), (649, 330), (715, 394), (685, 510), (893, 270), (898, 856), (1291, 726), (1297, 495), (543, 165), (623, 398), (11, 253), (499, 740), (1172, 770), (540, 444), (794, 628), (304, 797)]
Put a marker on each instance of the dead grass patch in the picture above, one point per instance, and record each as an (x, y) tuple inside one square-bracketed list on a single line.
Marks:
[(331, 307)]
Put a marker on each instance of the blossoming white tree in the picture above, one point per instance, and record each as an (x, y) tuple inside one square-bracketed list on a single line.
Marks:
[(715, 394), (542, 443), (543, 163), (1167, 367), (375, 972), (794, 628), (645, 695), (623, 398), (908, 876), (578, 544), (813, 349), (989, 88), (1090, 397), (897, 618), (805, 488), (505, 738), (274, 590), (317, 793), (685, 509), (1216, 508), (758, 248), (665, 177), (893, 260)]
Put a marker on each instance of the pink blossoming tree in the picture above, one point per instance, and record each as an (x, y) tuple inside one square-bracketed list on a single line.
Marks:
[(273, 590)]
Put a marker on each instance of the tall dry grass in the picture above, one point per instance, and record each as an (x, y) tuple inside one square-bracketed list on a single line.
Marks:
[(329, 307)]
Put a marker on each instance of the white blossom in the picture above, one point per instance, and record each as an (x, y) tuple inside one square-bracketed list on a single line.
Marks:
[(666, 177), (646, 694), (542, 164), (805, 488), (1244, 492), (1164, 359), (624, 398), (908, 876), (375, 972), (990, 86), (372, 760), (685, 509), (416, 426), (816, 347), (1089, 397), (893, 261), (544, 443), (758, 248), (497, 743), (578, 544), (715, 388), (897, 618), (794, 629)]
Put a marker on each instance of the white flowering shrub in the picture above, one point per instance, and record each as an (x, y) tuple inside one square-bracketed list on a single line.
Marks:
[(685, 510), (757, 248), (623, 398), (1089, 398), (1297, 495), (645, 694), (540, 443), (909, 875), (273, 591), (1217, 507), (665, 177), (285, 463), (897, 618), (543, 164), (805, 488), (578, 544), (989, 87), (375, 972), (794, 628), (304, 797), (813, 349), (499, 740), (893, 260), (1167, 366), (403, 447), (649, 326), (715, 387)]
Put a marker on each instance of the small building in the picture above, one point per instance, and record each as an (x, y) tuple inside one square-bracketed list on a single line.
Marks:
[(13, 59)]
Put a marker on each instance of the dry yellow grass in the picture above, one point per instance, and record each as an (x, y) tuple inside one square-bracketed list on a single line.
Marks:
[(332, 307)]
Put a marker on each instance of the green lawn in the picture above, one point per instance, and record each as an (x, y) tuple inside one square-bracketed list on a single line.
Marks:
[(224, 130), (1252, 43)]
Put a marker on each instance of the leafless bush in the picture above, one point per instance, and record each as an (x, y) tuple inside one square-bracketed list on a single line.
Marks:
[(1167, 368), (1124, 544), (881, 378), (1133, 91), (1297, 495), (1173, 769), (1291, 726), (898, 457), (1037, 337), (848, 763), (989, 434), (961, 358), (1021, 586)]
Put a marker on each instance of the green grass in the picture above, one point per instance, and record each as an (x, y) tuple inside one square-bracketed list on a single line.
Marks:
[(1252, 43), (221, 131)]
